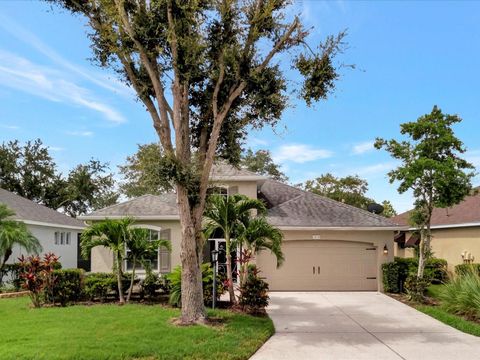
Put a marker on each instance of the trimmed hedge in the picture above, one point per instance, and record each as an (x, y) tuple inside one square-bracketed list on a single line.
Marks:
[(394, 277), (68, 286), (464, 269), (101, 285)]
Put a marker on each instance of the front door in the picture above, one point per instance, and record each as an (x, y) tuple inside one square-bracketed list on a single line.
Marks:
[(219, 245)]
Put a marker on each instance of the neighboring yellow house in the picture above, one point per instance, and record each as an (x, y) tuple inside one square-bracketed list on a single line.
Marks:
[(455, 233), (328, 245)]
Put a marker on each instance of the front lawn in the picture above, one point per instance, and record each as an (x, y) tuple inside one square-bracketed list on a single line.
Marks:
[(123, 332)]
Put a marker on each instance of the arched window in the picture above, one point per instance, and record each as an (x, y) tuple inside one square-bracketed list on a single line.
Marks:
[(217, 190)]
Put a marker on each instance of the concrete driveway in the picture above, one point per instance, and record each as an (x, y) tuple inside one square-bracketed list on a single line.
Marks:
[(358, 325)]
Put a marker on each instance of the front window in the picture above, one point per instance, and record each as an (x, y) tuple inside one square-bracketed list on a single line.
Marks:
[(217, 190), (152, 261)]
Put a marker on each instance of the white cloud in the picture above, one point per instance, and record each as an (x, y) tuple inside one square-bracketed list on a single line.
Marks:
[(376, 169), (363, 147), (56, 148), (32, 40), (80, 133), (256, 142), (19, 73), (299, 153), (10, 127)]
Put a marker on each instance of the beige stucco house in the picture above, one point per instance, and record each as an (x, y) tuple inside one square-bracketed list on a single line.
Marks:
[(328, 245), (455, 233)]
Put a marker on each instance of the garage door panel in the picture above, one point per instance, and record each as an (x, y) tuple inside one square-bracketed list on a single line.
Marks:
[(321, 265)]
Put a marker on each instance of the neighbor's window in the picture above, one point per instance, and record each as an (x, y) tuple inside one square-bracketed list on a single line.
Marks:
[(57, 238), (217, 190), (63, 238), (67, 239)]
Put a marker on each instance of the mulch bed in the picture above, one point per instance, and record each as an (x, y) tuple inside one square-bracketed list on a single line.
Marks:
[(14, 294)]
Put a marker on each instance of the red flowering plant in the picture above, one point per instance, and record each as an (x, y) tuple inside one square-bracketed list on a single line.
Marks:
[(36, 275)]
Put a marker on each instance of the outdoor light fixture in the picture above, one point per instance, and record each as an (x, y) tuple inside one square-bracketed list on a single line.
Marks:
[(385, 250), (214, 290)]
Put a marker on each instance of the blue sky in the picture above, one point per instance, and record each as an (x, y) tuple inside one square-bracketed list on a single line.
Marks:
[(409, 56)]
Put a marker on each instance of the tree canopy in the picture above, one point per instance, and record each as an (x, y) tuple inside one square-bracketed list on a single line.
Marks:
[(29, 171), (224, 63), (261, 162), (351, 190), (431, 167)]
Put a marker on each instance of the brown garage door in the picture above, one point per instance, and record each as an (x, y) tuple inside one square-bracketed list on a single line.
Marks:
[(321, 265)]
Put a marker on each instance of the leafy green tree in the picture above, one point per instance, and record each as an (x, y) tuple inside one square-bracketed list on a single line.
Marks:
[(14, 233), (88, 187), (142, 172), (141, 249), (261, 162), (350, 189), (388, 209), (228, 214), (220, 60), (29, 171), (112, 234), (432, 167)]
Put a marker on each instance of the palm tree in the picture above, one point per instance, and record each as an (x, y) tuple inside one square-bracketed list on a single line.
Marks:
[(141, 249), (259, 235), (228, 214), (112, 234), (14, 233)]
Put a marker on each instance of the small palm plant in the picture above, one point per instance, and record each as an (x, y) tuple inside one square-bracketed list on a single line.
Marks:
[(141, 249), (227, 213), (257, 234), (14, 233), (112, 234)]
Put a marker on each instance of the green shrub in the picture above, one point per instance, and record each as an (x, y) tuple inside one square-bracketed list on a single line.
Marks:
[(152, 283), (175, 280), (416, 288), (98, 286), (462, 295), (435, 270), (254, 294), (68, 285), (13, 272), (463, 269), (391, 280)]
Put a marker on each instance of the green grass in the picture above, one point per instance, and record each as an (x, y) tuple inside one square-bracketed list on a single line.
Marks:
[(439, 313), (123, 332), (455, 321)]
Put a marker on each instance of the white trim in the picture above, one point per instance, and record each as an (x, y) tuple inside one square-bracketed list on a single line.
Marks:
[(41, 223), (450, 226), (141, 217), (343, 228)]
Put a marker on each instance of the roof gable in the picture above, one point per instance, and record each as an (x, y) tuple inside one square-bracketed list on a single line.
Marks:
[(29, 211)]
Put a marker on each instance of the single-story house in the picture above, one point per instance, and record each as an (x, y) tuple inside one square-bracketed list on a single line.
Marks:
[(455, 233), (328, 245), (57, 232)]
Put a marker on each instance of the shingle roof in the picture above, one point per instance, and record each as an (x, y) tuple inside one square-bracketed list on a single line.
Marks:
[(288, 206), (27, 210), (144, 206), (295, 207), (467, 212)]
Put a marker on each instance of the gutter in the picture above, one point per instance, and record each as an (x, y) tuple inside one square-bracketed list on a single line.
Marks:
[(41, 223), (344, 228), (451, 226), (140, 217)]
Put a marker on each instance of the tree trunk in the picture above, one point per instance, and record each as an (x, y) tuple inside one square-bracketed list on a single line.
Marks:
[(425, 238), (119, 279), (229, 270), (6, 256), (193, 309), (130, 289)]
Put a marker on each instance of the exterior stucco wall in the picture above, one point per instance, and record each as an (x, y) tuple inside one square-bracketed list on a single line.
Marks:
[(377, 239), (46, 236), (404, 252), (102, 258), (449, 244)]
